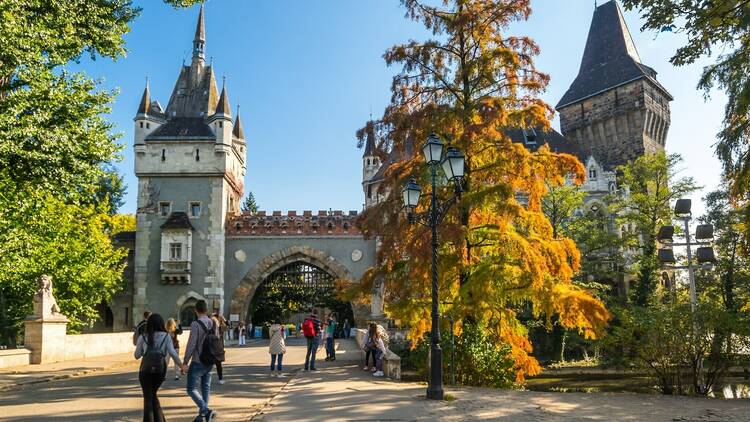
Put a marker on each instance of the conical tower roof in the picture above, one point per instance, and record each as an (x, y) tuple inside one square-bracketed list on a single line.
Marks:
[(237, 131), (222, 107), (370, 140), (145, 104), (610, 58)]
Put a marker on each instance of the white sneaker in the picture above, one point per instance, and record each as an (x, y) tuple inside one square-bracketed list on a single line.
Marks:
[(378, 374), (221, 382), (280, 374)]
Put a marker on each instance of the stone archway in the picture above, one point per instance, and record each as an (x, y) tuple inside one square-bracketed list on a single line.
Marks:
[(243, 294)]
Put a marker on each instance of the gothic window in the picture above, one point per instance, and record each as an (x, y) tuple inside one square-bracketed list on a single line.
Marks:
[(141, 125), (592, 173), (148, 125), (175, 251), (221, 124), (368, 161), (165, 208), (195, 209), (369, 191), (163, 154), (197, 155)]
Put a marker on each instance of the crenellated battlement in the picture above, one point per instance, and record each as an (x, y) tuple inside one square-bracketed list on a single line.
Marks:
[(293, 223)]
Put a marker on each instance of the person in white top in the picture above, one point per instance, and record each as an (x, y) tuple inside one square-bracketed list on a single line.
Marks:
[(380, 351), (154, 346), (277, 347)]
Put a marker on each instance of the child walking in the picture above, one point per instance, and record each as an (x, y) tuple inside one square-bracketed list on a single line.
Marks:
[(277, 347)]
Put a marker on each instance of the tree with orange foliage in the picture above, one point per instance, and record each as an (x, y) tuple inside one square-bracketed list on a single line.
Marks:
[(498, 255)]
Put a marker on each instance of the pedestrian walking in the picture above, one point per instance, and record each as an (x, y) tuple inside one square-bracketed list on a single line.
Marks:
[(242, 332), (153, 348), (277, 347), (174, 329), (369, 347), (380, 351), (347, 328), (311, 330), (330, 331), (140, 328), (221, 326), (199, 367)]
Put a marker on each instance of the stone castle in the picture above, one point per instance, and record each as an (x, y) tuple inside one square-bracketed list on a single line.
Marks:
[(193, 242)]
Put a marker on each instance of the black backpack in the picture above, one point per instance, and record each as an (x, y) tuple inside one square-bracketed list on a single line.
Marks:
[(154, 360), (212, 349)]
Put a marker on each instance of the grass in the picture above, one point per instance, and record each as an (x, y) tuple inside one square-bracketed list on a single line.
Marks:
[(449, 397)]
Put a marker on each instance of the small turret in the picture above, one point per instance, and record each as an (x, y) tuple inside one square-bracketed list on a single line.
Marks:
[(221, 120), (370, 160), (148, 117)]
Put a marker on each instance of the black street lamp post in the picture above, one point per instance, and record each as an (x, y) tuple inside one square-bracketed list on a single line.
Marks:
[(452, 163)]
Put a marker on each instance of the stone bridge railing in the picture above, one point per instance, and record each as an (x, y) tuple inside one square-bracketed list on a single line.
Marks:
[(391, 361)]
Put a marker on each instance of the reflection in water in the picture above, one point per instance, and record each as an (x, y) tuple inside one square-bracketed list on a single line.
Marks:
[(736, 391)]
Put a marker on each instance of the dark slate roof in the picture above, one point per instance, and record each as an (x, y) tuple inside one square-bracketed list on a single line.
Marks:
[(145, 104), (222, 107), (394, 157), (537, 137), (177, 220), (609, 59), (182, 128), (237, 131), (370, 140), (194, 93)]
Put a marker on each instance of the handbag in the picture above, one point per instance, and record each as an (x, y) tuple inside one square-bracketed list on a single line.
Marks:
[(154, 360)]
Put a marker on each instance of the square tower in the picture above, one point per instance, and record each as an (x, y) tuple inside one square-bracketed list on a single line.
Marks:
[(615, 109), (190, 164)]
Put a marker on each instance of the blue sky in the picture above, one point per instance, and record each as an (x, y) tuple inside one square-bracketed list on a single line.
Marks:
[(307, 74)]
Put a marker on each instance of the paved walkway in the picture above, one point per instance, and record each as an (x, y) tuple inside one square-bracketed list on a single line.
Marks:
[(338, 392)]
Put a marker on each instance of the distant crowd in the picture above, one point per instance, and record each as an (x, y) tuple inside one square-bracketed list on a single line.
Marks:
[(157, 342)]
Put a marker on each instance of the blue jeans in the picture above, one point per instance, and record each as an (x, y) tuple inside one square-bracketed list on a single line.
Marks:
[(330, 350), (198, 372), (273, 361), (312, 349)]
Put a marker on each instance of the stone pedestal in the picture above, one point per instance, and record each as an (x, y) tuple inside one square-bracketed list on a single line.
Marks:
[(45, 328), (45, 337)]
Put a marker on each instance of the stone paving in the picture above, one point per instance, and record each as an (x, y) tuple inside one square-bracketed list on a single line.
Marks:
[(337, 392)]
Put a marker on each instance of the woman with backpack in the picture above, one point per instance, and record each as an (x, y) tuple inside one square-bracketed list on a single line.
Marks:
[(152, 348), (277, 346)]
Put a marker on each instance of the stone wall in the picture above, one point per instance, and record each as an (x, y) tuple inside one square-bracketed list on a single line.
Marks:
[(391, 361), (620, 124), (14, 357)]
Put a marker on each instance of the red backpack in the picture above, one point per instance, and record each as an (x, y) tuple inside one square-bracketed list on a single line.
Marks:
[(308, 328)]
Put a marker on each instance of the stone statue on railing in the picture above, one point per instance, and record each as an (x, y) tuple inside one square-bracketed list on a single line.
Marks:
[(45, 305)]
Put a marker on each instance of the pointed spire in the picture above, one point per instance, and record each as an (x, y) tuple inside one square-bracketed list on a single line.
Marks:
[(370, 140), (199, 41), (238, 132), (223, 106), (609, 59), (145, 104)]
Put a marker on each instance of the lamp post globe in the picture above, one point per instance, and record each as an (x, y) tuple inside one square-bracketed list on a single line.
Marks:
[(453, 165), (411, 192), (433, 150)]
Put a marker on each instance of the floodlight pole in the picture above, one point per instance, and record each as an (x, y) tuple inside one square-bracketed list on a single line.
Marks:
[(693, 306)]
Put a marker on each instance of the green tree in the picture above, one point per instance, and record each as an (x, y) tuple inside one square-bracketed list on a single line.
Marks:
[(719, 29), (249, 204), (56, 186), (650, 185)]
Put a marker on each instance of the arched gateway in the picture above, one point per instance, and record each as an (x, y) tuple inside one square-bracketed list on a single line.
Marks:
[(286, 260)]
